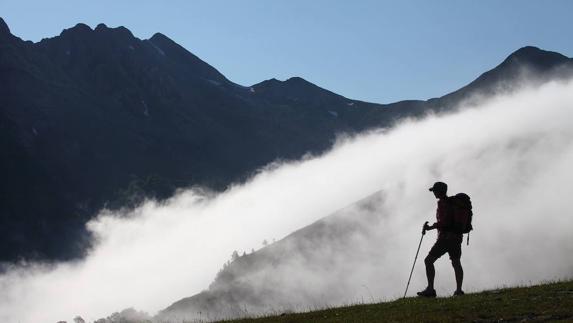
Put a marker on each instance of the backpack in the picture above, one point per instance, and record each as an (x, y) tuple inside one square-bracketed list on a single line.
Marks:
[(461, 208)]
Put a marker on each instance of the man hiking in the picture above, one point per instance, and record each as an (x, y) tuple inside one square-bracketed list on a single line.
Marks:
[(448, 241)]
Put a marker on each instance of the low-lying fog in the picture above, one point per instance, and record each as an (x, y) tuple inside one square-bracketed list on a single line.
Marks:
[(512, 154)]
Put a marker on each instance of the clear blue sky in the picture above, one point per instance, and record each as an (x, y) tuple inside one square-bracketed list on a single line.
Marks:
[(377, 51)]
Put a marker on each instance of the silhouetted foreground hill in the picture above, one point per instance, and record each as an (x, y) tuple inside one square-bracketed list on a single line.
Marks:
[(99, 118), (542, 303)]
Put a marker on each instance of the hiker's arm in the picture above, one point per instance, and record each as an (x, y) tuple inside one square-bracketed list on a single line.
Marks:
[(432, 227)]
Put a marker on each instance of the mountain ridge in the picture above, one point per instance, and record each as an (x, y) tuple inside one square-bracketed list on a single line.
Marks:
[(105, 119)]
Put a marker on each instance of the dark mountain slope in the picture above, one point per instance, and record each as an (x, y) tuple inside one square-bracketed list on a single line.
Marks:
[(108, 119), (95, 118)]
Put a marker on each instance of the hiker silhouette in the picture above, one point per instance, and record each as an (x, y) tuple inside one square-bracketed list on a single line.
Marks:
[(449, 241)]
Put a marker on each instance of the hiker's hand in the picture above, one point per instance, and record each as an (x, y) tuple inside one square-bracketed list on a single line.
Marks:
[(426, 228)]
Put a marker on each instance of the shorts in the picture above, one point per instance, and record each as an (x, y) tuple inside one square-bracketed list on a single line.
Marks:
[(451, 244)]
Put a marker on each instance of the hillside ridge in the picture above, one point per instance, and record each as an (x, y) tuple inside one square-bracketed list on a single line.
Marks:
[(545, 302)]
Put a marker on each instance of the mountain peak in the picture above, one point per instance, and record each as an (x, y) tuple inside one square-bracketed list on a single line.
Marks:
[(527, 50), (120, 31), (292, 81), (535, 56), (193, 65), (79, 29), (4, 29), (101, 27), (539, 64), (82, 29), (298, 89), (297, 80), (165, 43), (159, 36)]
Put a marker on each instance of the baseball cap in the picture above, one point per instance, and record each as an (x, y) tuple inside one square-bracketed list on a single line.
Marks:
[(440, 187)]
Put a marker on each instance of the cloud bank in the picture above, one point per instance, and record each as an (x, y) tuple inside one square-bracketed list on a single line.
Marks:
[(512, 154)]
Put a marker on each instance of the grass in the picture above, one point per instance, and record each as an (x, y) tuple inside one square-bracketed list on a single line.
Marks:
[(550, 302)]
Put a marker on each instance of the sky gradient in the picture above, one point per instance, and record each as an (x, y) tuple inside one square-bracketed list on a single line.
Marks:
[(378, 51)]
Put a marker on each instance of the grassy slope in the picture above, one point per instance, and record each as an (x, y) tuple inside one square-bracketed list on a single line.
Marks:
[(551, 302)]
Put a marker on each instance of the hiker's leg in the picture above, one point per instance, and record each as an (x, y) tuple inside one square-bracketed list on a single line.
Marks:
[(430, 270), (459, 271), (455, 256), (438, 249)]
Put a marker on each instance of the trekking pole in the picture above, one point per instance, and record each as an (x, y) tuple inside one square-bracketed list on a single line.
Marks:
[(416, 258)]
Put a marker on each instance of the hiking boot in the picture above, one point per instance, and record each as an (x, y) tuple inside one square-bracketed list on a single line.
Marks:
[(427, 293), (459, 293)]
